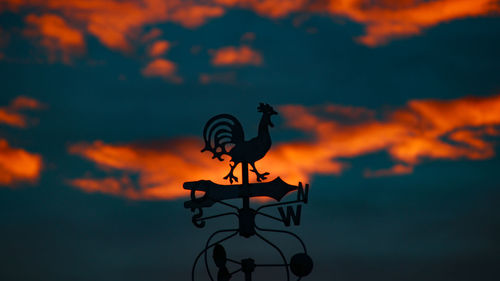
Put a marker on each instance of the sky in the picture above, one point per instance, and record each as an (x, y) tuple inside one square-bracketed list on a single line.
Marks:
[(389, 109)]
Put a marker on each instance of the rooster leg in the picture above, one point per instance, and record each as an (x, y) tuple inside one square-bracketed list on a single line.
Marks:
[(260, 176), (230, 175)]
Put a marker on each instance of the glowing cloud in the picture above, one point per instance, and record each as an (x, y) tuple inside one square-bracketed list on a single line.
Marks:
[(60, 40), (389, 19), (243, 55), (161, 168), (18, 165), (268, 8), (421, 131), (116, 23), (119, 24), (193, 15), (384, 19), (162, 68), (159, 48), (425, 129), (11, 116)]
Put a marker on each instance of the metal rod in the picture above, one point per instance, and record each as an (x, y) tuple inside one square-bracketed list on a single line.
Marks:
[(278, 204), (213, 244), (285, 232), (269, 216), (208, 247), (279, 251), (216, 216), (224, 203), (244, 173)]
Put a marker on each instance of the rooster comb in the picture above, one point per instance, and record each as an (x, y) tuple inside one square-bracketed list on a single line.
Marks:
[(265, 108)]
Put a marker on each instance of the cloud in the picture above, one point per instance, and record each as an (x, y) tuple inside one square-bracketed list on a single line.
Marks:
[(161, 168), (384, 20), (11, 116), (110, 185), (118, 24), (159, 48), (18, 165), (162, 68), (154, 33), (421, 131), (398, 169), (223, 78), (194, 15), (230, 56), (23, 102), (269, 8), (390, 19), (54, 33)]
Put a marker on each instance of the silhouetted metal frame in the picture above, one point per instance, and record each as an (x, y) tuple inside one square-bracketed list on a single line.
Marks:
[(204, 251), (260, 236), (233, 133)]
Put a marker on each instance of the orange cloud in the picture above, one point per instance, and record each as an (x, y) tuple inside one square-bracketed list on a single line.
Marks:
[(162, 68), (421, 131), (11, 116), (268, 8), (18, 165), (194, 15), (243, 55), (159, 48), (161, 169), (384, 20), (425, 129), (151, 35), (390, 19), (23, 102), (398, 169), (56, 36), (117, 24), (109, 185)]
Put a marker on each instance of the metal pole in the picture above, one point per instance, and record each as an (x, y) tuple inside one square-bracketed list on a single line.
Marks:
[(244, 173)]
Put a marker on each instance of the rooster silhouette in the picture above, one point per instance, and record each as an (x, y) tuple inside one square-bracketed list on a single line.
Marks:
[(224, 130)]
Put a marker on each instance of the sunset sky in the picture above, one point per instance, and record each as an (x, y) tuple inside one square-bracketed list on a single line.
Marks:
[(389, 109)]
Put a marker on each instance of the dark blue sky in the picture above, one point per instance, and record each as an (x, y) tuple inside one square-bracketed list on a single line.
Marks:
[(96, 101)]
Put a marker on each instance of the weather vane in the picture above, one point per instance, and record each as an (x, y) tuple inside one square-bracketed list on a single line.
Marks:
[(223, 132)]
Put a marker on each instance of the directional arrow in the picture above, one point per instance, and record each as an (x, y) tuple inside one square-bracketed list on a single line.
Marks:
[(275, 189)]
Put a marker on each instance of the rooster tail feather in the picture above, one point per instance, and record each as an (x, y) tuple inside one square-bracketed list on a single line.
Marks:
[(220, 131)]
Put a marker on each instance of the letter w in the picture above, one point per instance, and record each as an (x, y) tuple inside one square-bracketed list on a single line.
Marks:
[(290, 214)]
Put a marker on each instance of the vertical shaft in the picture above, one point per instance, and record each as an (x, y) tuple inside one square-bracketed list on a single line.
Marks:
[(244, 174)]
